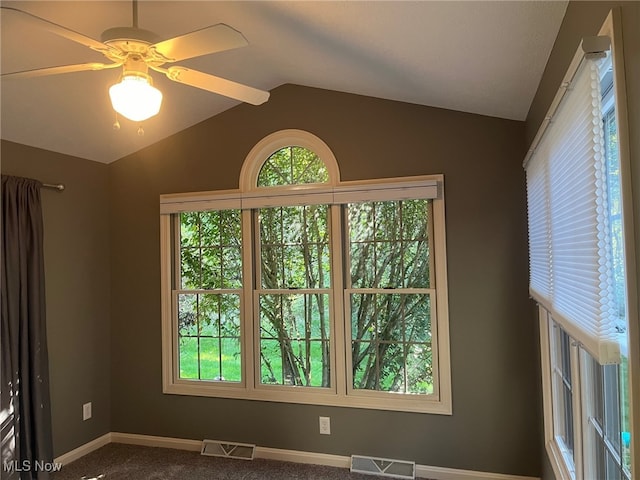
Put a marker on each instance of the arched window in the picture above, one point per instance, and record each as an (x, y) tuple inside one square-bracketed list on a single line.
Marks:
[(287, 158)]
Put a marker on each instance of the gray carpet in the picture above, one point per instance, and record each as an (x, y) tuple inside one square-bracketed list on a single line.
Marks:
[(118, 462)]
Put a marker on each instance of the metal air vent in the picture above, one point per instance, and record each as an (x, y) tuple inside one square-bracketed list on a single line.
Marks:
[(383, 467), (214, 448)]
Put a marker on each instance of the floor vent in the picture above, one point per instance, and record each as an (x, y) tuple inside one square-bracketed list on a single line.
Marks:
[(214, 448), (383, 467)]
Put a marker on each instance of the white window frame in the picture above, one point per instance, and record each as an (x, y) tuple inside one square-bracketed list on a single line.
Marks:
[(581, 372), (581, 465), (334, 192), (592, 436), (570, 463)]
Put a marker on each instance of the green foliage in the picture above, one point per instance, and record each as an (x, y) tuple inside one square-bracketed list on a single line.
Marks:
[(389, 249), (294, 328), (209, 323), (391, 342), (294, 247), (391, 332), (292, 166), (389, 244), (210, 250)]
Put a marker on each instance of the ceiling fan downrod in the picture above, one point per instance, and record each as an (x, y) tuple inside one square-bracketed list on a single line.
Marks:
[(135, 13)]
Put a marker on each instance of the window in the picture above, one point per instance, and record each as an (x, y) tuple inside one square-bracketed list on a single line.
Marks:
[(300, 288), (608, 429), (209, 277), (388, 296), (607, 435), (562, 363), (579, 278), (590, 410), (292, 165), (294, 295)]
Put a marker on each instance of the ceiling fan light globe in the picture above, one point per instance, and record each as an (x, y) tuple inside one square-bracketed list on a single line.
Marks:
[(135, 98)]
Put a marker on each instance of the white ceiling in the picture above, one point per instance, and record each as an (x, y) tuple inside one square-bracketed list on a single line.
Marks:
[(479, 56)]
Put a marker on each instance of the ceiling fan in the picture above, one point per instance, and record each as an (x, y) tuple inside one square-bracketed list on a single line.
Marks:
[(137, 50)]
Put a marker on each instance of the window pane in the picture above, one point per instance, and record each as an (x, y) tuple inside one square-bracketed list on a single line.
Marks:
[(189, 358), (232, 361), (617, 426), (210, 249), (389, 244), (365, 368), (231, 267), (615, 215), (612, 406), (190, 229), (419, 369), (391, 342), (562, 389), (209, 336), (210, 365), (294, 247), (211, 268), (292, 166), (607, 422), (390, 331), (625, 427), (190, 268), (188, 315), (613, 468), (294, 339)]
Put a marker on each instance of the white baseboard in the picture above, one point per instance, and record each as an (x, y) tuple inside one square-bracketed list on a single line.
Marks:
[(296, 456), (443, 473), (151, 441), (82, 450)]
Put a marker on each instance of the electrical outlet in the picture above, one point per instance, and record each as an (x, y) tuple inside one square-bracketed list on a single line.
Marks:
[(325, 426), (86, 411)]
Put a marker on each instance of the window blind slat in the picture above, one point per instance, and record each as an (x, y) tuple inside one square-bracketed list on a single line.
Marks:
[(568, 224)]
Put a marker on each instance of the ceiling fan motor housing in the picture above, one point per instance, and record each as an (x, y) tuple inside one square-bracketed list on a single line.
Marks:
[(123, 34)]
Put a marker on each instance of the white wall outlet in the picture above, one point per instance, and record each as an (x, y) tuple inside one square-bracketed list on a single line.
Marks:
[(86, 411), (325, 425)]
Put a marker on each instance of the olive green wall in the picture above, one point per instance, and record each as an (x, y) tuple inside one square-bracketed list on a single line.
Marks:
[(76, 249), (496, 420), (585, 19)]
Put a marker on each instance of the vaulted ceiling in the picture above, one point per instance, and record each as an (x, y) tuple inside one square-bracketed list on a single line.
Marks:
[(483, 57)]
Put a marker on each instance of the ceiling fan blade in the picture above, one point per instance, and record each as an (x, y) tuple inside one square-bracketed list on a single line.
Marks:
[(39, 72), (215, 38), (217, 85), (60, 30)]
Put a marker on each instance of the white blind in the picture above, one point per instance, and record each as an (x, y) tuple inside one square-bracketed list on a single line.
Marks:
[(569, 240), (538, 219)]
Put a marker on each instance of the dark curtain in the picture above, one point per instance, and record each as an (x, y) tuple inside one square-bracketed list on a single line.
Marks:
[(25, 411)]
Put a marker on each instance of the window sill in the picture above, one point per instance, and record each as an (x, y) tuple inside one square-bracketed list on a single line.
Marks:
[(391, 402), (558, 463)]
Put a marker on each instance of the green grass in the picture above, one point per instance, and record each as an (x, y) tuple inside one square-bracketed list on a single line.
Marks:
[(209, 359)]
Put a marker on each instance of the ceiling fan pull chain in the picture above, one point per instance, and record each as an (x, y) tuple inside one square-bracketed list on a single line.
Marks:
[(140, 131), (116, 124)]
